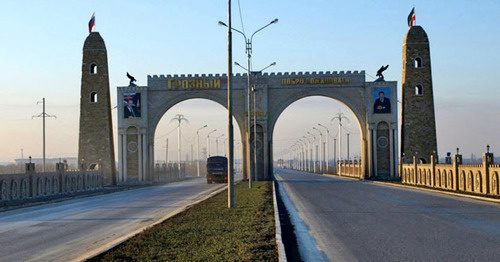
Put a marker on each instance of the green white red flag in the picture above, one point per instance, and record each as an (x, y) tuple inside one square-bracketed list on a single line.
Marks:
[(411, 17)]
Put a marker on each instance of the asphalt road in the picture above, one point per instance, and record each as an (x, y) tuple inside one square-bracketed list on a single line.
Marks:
[(70, 229), (363, 221)]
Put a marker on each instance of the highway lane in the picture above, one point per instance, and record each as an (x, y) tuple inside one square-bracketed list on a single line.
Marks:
[(363, 221), (68, 230)]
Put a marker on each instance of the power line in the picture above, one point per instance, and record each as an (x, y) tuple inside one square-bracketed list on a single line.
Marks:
[(241, 18)]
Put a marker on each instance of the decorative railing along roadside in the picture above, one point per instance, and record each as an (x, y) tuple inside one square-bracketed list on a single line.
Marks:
[(350, 168), (18, 187), (168, 172), (480, 179)]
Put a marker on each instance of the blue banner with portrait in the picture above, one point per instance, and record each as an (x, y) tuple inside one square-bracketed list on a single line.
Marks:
[(382, 100), (132, 105)]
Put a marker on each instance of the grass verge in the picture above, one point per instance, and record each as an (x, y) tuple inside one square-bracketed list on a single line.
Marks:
[(209, 231)]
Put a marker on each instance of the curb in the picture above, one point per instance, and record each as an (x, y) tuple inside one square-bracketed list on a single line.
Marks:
[(118, 241), (306, 243), (481, 198), (279, 239)]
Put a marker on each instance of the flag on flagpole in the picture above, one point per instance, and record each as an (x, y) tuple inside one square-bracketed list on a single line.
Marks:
[(91, 23), (411, 17)]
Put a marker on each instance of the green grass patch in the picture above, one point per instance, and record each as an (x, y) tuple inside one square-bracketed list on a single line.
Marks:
[(209, 231)]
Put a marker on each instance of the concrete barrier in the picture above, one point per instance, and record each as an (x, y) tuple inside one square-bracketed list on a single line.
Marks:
[(482, 179), (19, 187)]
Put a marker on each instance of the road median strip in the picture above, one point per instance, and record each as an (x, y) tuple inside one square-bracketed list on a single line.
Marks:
[(209, 231)]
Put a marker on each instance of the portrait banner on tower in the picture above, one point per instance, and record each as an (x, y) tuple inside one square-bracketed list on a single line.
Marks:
[(131, 105), (382, 100)]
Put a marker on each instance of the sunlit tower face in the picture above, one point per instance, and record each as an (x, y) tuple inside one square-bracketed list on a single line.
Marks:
[(418, 127)]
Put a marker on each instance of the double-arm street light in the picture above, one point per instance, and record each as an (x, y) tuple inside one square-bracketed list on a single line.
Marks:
[(198, 149), (208, 141), (248, 44), (327, 147), (254, 93), (340, 116)]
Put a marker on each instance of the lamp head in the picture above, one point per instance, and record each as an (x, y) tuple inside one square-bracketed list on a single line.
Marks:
[(273, 22), (273, 64), (221, 23), (236, 63)]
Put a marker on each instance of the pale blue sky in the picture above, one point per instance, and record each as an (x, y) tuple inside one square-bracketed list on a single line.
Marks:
[(40, 55)]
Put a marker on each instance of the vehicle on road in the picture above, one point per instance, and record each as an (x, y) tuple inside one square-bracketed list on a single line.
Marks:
[(216, 169)]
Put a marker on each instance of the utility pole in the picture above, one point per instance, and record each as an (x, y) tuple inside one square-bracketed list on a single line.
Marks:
[(179, 118), (43, 115), (230, 162)]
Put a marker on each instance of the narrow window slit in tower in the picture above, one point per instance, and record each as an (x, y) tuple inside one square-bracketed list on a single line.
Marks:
[(93, 97), (93, 69), (419, 90), (418, 62)]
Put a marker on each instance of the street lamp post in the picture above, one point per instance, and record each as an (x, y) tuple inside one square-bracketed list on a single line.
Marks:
[(304, 154), (248, 44), (217, 144), (348, 148), (339, 116), (254, 93), (315, 155), (208, 141), (335, 154), (327, 147), (321, 156), (308, 153), (179, 118), (198, 149), (230, 162)]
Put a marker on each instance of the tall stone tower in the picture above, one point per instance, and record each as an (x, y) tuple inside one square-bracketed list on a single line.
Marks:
[(418, 130), (96, 131)]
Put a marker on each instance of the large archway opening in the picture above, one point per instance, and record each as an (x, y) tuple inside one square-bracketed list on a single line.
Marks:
[(203, 133), (314, 133)]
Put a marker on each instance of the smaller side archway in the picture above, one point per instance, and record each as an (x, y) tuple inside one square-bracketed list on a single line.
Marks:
[(495, 184)]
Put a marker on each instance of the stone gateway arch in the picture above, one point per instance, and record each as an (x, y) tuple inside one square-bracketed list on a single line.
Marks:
[(376, 117)]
